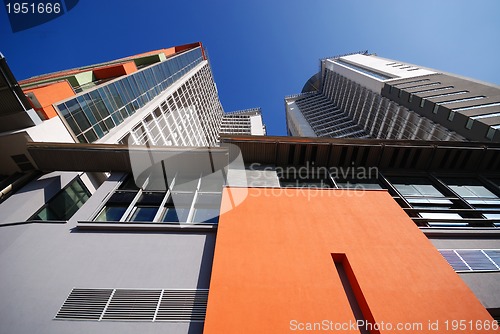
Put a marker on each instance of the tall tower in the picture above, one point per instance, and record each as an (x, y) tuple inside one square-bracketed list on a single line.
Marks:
[(162, 97), (362, 95)]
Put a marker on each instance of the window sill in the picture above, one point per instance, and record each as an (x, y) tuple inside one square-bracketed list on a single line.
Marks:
[(146, 227), (460, 231), (34, 222)]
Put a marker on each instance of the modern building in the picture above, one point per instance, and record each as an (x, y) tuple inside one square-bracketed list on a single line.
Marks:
[(362, 95), (162, 97), (225, 232), (243, 122), (313, 233)]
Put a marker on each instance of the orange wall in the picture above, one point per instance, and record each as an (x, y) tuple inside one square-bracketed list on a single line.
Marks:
[(273, 264), (113, 71), (49, 94)]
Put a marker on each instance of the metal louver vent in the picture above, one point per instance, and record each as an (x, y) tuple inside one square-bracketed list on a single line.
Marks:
[(183, 305), (135, 305), (85, 304), (132, 305), (472, 259)]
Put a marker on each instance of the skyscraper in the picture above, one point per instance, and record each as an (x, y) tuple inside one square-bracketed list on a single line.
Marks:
[(362, 95), (162, 97)]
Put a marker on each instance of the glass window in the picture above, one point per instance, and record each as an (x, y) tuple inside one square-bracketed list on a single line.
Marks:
[(112, 213), (90, 136), (64, 205), (72, 124), (86, 109), (206, 215), (175, 215), (349, 183), (185, 183), (306, 180), (418, 190), (81, 120), (144, 213), (440, 215), (212, 182), (472, 191)]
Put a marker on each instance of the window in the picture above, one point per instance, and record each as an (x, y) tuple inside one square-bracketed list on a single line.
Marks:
[(418, 190), (188, 200), (491, 133), (100, 107), (177, 207), (470, 121), (472, 191), (306, 180), (451, 115), (435, 110), (64, 204), (119, 202), (207, 208), (422, 103), (147, 206), (466, 260), (349, 183)]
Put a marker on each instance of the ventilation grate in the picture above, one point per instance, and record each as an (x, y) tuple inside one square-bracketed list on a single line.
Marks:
[(472, 259), (85, 304), (135, 305), (132, 305), (183, 305)]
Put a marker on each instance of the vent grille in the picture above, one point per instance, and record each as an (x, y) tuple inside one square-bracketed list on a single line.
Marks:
[(135, 305), (183, 305), (85, 304), (463, 260)]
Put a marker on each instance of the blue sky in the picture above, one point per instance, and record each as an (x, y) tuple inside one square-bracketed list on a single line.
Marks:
[(261, 51)]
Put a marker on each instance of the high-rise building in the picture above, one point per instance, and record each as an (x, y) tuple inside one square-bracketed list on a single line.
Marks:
[(256, 235), (162, 97), (362, 95)]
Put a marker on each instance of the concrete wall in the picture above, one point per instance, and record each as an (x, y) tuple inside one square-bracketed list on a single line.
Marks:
[(296, 122), (41, 263), (274, 263), (484, 285)]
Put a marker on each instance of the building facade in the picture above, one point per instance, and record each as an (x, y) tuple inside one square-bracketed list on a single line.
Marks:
[(365, 96), (161, 213), (162, 97), (310, 230)]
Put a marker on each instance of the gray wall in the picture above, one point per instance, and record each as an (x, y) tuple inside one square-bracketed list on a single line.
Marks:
[(41, 263), (486, 286)]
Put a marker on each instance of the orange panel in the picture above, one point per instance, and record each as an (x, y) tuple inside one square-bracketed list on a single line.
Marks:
[(273, 270), (114, 71), (49, 94)]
